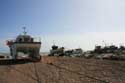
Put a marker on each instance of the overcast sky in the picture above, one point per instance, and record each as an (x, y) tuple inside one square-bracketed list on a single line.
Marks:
[(70, 23)]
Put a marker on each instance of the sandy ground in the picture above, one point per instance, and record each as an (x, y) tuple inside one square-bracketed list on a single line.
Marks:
[(63, 70)]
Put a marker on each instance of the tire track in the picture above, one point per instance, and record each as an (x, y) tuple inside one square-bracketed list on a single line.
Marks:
[(103, 81)]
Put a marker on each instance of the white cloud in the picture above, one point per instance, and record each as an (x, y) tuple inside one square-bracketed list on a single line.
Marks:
[(3, 46), (87, 41)]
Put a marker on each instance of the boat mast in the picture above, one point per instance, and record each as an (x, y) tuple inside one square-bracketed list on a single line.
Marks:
[(24, 30)]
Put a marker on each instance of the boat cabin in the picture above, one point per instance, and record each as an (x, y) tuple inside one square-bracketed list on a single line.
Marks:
[(24, 38)]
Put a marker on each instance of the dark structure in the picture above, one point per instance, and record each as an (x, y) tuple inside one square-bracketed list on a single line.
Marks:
[(56, 51)]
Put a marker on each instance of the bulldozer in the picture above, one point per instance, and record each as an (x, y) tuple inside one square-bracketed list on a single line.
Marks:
[(25, 44)]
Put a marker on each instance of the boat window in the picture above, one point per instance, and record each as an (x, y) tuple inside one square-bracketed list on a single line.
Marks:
[(31, 39), (20, 39), (26, 39)]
